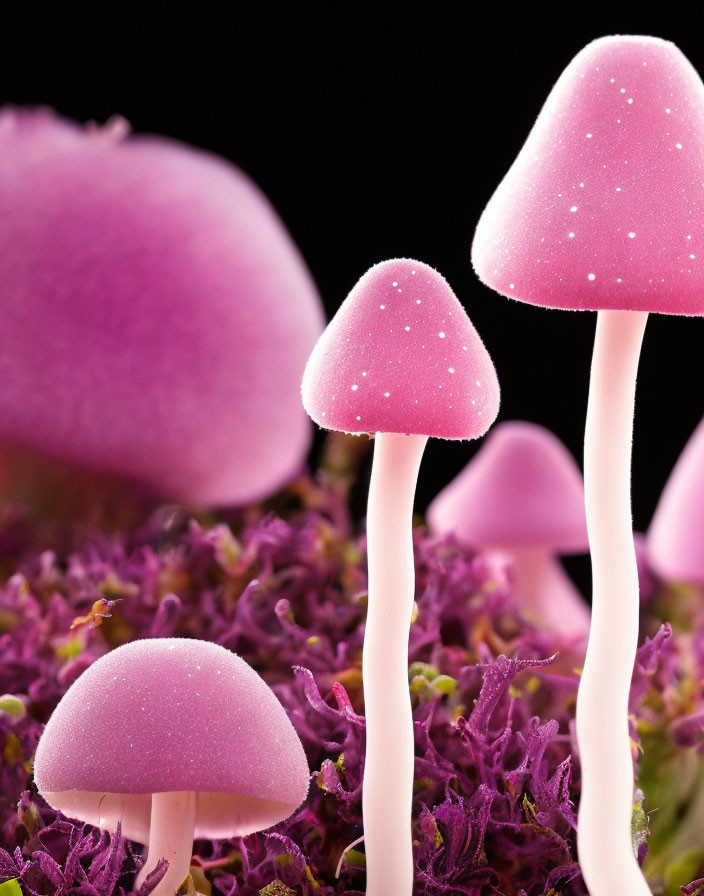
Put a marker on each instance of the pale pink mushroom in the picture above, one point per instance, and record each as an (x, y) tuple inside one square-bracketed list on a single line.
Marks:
[(401, 360), (157, 316), (602, 211), (174, 739), (522, 495), (675, 539)]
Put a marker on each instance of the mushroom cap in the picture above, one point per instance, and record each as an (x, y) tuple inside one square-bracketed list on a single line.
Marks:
[(172, 714), (401, 356), (602, 207), (522, 489), (156, 315), (674, 539)]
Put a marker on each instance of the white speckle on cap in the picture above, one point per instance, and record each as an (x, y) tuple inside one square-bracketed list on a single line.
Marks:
[(355, 387), (450, 369), (574, 208), (441, 334), (632, 235)]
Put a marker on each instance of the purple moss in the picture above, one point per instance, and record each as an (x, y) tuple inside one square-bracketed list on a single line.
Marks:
[(497, 780)]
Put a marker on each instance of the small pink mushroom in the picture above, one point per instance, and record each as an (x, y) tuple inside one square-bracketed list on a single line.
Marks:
[(157, 316), (675, 539), (173, 739), (522, 495), (601, 211), (400, 359)]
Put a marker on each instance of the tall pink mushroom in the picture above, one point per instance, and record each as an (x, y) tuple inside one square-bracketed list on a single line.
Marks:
[(602, 211), (674, 540), (156, 315), (173, 739), (522, 495), (400, 360)]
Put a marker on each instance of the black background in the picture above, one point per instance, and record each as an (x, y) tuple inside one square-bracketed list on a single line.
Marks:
[(378, 133)]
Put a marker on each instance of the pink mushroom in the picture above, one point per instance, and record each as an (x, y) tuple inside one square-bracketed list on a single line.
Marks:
[(401, 360), (173, 739), (674, 540), (522, 495), (601, 211), (156, 314)]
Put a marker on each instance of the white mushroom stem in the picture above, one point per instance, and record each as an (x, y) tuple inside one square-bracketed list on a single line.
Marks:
[(388, 768), (604, 841), (171, 833), (543, 588)]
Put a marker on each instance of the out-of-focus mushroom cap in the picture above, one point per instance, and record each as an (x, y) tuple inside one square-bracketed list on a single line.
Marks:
[(402, 356), (602, 207), (172, 714), (521, 490), (156, 315), (674, 539)]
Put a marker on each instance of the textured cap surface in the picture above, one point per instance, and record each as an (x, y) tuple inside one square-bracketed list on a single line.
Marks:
[(172, 714), (402, 356), (156, 316), (602, 209), (522, 489), (674, 539)]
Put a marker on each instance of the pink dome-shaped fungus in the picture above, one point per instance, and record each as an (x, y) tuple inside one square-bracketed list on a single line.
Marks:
[(401, 356), (167, 715), (675, 539), (157, 316), (602, 207), (521, 490)]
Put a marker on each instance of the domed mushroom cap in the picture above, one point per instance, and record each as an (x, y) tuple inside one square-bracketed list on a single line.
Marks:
[(172, 714), (522, 489), (602, 207), (676, 533), (401, 356), (156, 315)]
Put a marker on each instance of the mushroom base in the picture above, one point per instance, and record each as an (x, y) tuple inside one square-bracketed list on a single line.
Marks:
[(218, 815)]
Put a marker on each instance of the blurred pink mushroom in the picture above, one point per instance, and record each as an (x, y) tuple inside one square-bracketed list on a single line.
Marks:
[(601, 211), (157, 316), (173, 739), (675, 539), (522, 495), (400, 359)]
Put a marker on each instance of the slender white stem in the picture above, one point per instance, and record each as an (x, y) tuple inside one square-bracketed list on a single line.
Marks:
[(604, 828), (545, 590), (388, 768), (171, 833)]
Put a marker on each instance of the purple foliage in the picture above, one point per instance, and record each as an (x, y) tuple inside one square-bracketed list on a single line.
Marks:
[(497, 779)]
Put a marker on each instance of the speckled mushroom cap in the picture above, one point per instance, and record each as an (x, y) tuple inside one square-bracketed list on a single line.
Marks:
[(401, 356), (674, 539), (156, 315), (602, 209), (172, 714), (522, 489)]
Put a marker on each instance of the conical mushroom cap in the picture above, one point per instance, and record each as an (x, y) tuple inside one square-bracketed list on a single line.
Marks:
[(675, 538), (522, 489), (401, 356), (172, 714), (602, 209)]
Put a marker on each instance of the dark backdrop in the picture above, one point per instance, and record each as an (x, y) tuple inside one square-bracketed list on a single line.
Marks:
[(376, 134)]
